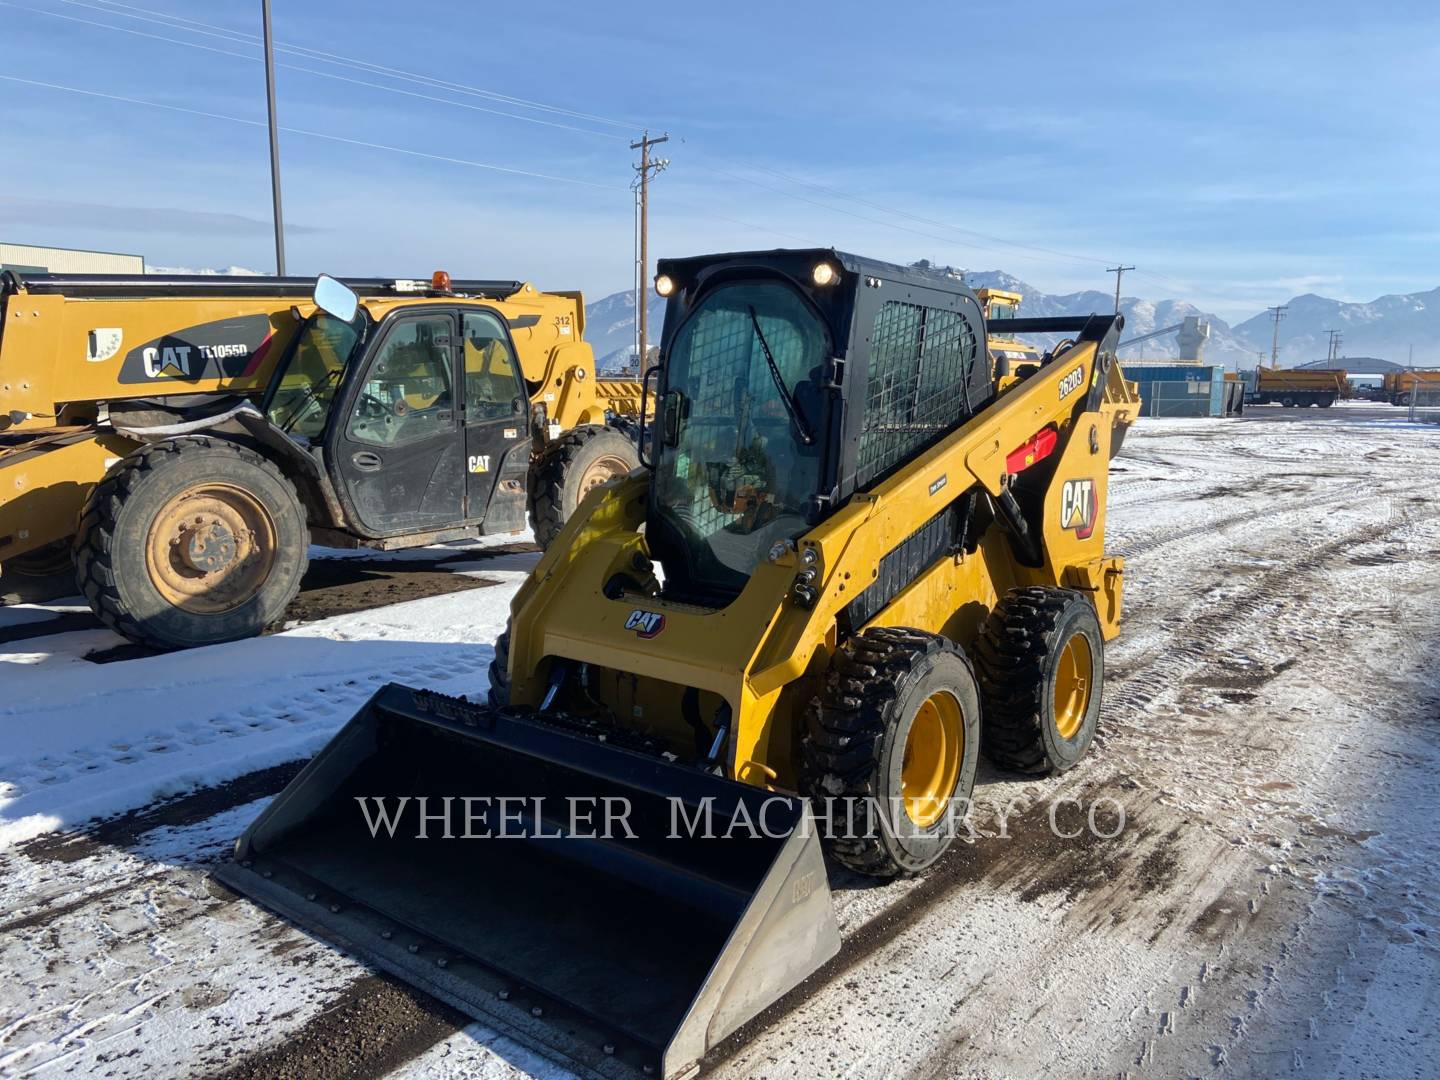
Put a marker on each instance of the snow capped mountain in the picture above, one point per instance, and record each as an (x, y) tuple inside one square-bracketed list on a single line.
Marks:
[(610, 327), (1385, 328), (182, 271)]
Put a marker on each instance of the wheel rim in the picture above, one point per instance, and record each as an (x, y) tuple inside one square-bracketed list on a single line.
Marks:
[(930, 767), (211, 549), (600, 470), (1072, 686)]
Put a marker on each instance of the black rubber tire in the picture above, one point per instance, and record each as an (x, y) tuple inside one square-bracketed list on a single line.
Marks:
[(1016, 656), (47, 573), (1325, 403), (555, 477), (1402, 399), (499, 693), (1289, 403), (111, 543), (854, 739)]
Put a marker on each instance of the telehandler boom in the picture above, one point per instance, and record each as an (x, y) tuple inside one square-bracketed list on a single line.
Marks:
[(175, 443), (855, 559)]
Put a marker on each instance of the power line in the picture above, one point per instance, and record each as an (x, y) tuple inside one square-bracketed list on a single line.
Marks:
[(315, 134), (196, 26), (309, 71), (1000, 240)]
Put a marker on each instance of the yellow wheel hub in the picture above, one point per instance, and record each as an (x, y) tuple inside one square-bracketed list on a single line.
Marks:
[(1073, 686), (601, 470), (210, 549), (930, 767)]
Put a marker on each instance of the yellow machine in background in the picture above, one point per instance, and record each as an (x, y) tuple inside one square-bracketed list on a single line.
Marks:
[(1293, 387), (1000, 308), (1402, 387), (855, 559), (177, 442)]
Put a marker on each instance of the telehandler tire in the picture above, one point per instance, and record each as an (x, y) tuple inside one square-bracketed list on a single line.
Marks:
[(46, 573), (890, 749), (579, 460), (191, 542), (1041, 660)]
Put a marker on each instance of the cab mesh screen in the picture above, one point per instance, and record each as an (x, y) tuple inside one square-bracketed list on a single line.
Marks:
[(921, 364)]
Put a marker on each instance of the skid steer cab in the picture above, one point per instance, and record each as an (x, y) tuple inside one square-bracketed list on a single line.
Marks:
[(187, 476), (857, 559)]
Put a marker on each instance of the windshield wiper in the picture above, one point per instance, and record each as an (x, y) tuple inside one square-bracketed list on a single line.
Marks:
[(788, 401), (311, 393)]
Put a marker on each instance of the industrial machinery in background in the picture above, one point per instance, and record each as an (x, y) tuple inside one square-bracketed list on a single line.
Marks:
[(1001, 307), (1191, 334), (855, 559), (1297, 387), (1420, 387), (174, 444)]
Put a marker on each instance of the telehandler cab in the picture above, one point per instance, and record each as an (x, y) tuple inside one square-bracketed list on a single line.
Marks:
[(176, 443), (854, 560)]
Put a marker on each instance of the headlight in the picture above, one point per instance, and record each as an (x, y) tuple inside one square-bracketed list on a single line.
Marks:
[(824, 274), (664, 284)]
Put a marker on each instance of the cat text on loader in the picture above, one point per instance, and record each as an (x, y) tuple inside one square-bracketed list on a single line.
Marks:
[(878, 562), (175, 443)]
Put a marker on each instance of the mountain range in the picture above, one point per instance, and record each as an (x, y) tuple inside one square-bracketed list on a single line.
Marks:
[(1386, 327)]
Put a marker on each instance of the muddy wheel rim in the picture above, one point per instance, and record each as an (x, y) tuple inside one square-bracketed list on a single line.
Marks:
[(930, 767), (211, 549), (1072, 686), (600, 470)]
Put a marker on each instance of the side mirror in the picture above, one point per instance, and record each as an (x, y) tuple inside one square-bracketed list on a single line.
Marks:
[(335, 298)]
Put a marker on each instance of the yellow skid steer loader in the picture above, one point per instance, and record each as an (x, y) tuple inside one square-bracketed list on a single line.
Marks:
[(855, 558)]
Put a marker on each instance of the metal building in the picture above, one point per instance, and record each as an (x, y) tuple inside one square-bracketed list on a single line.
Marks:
[(1181, 389), (30, 258)]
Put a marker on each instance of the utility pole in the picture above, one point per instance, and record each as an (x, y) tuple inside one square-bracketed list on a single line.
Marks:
[(1119, 272), (647, 168), (1276, 313), (274, 140), (1333, 352)]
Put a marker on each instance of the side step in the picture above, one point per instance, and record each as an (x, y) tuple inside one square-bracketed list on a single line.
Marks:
[(637, 947)]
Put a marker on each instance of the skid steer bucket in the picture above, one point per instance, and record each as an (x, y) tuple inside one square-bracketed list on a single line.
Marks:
[(622, 910)]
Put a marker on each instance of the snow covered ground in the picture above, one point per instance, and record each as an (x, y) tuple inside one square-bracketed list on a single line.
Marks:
[(1271, 906)]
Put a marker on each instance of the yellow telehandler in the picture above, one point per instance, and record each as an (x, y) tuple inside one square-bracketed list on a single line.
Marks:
[(854, 559), (175, 443)]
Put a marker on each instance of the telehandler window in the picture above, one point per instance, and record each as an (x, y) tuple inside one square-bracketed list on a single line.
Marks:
[(490, 383), (406, 394), (301, 400)]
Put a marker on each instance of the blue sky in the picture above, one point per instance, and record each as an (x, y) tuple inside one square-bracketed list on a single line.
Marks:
[(1238, 154)]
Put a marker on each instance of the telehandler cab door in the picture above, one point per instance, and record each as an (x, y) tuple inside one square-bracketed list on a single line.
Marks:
[(395, 449), (497, 444)]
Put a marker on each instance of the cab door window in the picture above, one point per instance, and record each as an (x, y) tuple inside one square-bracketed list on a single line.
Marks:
[(407, 393), (491, 383)]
